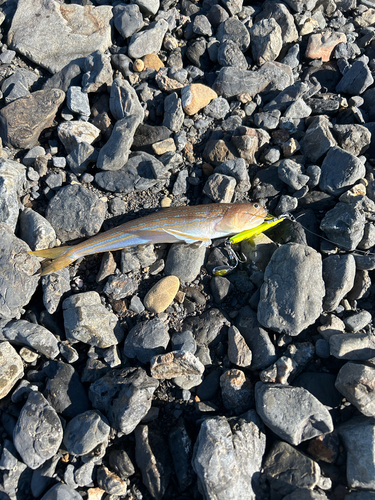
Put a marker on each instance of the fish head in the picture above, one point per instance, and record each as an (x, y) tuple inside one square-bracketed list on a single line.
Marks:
[(242, 217)]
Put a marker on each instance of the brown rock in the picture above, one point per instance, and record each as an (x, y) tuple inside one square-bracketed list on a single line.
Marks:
[(246, 146), (165, 83), (165, 146), (161, 295), (195, 97), (22, 121), (321, 45), (11, 368), (238, 351), (152, 61), (217, 152), (175, 364), (138, 65)]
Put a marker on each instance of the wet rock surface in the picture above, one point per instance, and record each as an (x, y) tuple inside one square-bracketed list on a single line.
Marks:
[(140, 374)]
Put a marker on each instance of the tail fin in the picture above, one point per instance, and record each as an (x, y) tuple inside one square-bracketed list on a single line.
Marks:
[(57, 258)]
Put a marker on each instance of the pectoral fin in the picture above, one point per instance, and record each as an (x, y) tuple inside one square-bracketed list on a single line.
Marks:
[(188, 238)]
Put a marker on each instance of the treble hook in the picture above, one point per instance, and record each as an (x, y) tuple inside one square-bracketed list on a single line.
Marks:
[(233, 257)]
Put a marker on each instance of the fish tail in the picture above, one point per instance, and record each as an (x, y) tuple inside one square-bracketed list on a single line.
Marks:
[(56, 258)]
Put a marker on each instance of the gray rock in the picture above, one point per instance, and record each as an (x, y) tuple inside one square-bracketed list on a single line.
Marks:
[(357, 435), (38, 433), (287, 470), (318, 139), (85, 432), (87, 320), (352, 346), (287, 97), (61, 491), (184, 341), (124, 102), (257, 339), (357, 321), (55, 285), (152, 457), (237, 391), (299, 109), (293, 413), (238, 351), (120, 286), (73, 132), (217, 15), (229, 54), (221, 288), (141, 172), (12, 180), (286, 204), (181, 183), (115, 153), (232, 450), (78, 101), (97, 72), (146, 340), (220, 188), (135, 258), (234, 30), (75, 212), (267, 120), (218, 108), (63, 79), (356, 80), (181, 449), (292, 56), (185, 261), (31, 335), (344, 225), (207, 328), (35, 230), (176, 364), (354, 138), (80, 157), (302, 266), (110, 482), (362, 283), (64, 390), (173, 112), (18, 84), (125, 396), (280, 13), (148, 41), (271, 76), (338, 276), (340, 170), (127, 19), (201, 25), (53, 36), (236, 168), (266, 40), (11, 368), (292, 174), (355, 383)]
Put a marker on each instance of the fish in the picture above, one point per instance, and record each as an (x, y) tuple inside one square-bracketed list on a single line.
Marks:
[(192, 224)]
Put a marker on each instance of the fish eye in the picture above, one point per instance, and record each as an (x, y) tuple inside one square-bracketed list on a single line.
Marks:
[(256, 205)]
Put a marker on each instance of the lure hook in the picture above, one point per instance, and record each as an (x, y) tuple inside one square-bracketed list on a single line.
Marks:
[(233, 257)]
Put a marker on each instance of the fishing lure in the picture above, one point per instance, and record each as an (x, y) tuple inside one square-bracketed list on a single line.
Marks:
[(195, 224)]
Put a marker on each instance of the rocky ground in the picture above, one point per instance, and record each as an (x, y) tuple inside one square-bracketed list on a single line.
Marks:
[(140, 374)]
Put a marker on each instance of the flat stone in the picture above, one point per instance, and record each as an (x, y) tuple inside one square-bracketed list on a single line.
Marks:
[(38, 432), (75, 212), (152, 37), (321, 45), (195, 97), (18, 279), (356, 80), (97, 72), (120, 286), (293, 413), (175, 364), (87, 320), (85, 432), (11, 368), (76, 131), (173, 113), (162, 294), (23, 120), (233, 29), (352, 346), (152, 61), (301, 265), (128, 19), (53, 35), (124, 101), (78, 101), (12, 181)]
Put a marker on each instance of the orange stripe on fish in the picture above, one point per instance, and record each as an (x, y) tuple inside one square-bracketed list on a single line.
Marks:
[(200, 223)]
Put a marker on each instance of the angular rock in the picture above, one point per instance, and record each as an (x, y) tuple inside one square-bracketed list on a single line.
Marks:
[(55, 286), (185, 261), (31, 335), (23, 120), (353, 138), (11, 368), (73, 132), (352, 346), (302, 266), (233, 29), (318, 139), (173, 113), (195, 97), (340, 170), (80, 157), (148, 41), (293, 413), (75, 212), (127, 19), (338, 276), (12, 181), (237, 391), (175, 364), (266, 40), (124, 101), (344, 225), (87, 320), (280, 13), (292, 174), (220, 188), (356, 383), (120, 286), (35, 230), (356, 80), (85, 432), (321, 45), (227, 458), (53, 34), (236, 168), (125, 396), (229, 54), (146, 340), (98, 72), (38, 433)]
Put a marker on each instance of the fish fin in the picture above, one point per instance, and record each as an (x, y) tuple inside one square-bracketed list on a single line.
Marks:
[(56, 258), (187, 238)]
